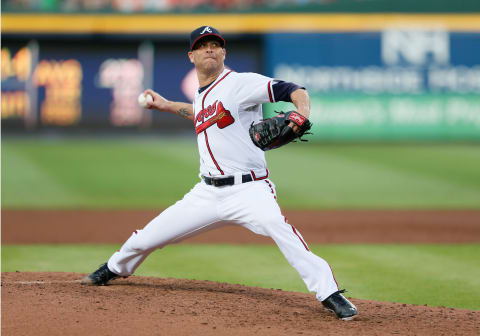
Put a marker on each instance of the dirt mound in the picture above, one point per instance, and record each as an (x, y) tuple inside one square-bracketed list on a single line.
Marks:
[(56, 304)]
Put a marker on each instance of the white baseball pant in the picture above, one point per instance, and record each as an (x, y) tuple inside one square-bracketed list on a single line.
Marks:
[(252, 205)]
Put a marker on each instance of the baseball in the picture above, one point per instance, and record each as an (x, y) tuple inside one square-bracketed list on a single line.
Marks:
[(144, 100)]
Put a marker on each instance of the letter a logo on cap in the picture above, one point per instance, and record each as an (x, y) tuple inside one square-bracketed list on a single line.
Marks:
[(206, 30)]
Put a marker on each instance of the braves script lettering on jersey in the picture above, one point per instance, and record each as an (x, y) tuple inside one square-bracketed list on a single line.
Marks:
[(235, 187), (222, 117)]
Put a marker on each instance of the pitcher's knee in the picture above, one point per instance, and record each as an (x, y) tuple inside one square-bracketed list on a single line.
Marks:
[(270, 222), (137, 242)]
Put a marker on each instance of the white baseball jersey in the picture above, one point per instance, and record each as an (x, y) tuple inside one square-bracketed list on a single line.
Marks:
[(224, 112)]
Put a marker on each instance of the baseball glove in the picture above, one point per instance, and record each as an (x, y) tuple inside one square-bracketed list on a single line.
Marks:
[(276, 132)]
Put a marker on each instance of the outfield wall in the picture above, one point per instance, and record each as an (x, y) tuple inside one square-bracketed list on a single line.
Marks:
[(383, 77)]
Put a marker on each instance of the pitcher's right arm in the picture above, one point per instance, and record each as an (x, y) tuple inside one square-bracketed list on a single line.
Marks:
[(184, 110)]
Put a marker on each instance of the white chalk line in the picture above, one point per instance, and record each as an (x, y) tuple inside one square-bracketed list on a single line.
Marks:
[(39, 282)]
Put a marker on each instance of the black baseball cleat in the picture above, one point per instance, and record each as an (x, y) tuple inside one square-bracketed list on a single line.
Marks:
[(100, 277), (337, 303)]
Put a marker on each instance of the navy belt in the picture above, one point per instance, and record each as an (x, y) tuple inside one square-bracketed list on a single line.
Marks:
[(225, 181)]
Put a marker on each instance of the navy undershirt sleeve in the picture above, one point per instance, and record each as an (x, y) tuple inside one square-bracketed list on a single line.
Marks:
[(282, 90)]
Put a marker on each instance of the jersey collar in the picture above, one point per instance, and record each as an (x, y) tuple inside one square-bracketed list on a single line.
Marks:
[(203, 88)]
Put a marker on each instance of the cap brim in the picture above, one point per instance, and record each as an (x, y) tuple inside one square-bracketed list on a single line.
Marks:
[(206, 35)]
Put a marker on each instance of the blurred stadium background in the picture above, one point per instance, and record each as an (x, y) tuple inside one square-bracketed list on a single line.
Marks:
[(377, 70)]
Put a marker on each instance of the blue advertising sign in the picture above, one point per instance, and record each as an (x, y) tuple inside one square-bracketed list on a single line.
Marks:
[(399, 84)]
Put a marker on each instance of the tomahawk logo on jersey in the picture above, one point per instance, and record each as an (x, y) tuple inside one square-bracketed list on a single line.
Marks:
[(213, 114)]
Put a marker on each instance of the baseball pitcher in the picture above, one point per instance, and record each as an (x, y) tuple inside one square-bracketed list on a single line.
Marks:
[(235, 184)]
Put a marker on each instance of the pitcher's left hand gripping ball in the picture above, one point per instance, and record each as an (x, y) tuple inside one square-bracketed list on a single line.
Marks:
[(276, 132)]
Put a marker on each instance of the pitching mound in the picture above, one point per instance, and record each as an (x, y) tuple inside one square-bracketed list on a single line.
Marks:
[(56, 304)]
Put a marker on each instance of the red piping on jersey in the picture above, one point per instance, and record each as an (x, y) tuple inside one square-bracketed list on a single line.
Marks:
[(206, 138), (334, 279), (211, 155), (206, 93), (270, 92), (271, 188), (299, 237), (258, 178)]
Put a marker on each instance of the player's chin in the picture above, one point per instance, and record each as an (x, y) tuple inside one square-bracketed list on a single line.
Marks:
[(211, 66), (210, 62)]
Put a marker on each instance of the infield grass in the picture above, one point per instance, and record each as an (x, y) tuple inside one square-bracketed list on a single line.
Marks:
[(437, 275), (138, 172)]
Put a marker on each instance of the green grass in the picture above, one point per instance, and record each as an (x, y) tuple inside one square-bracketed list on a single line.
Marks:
[(96, 174), (154, 173), (379, 176), (438, 275)]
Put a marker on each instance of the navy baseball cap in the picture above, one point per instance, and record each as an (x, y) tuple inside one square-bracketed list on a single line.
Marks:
[(205, 31)]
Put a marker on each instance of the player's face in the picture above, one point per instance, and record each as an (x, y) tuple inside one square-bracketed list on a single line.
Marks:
[(208, 55)]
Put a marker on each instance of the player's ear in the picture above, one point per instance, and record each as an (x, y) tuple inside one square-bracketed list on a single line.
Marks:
[(190, 55)]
